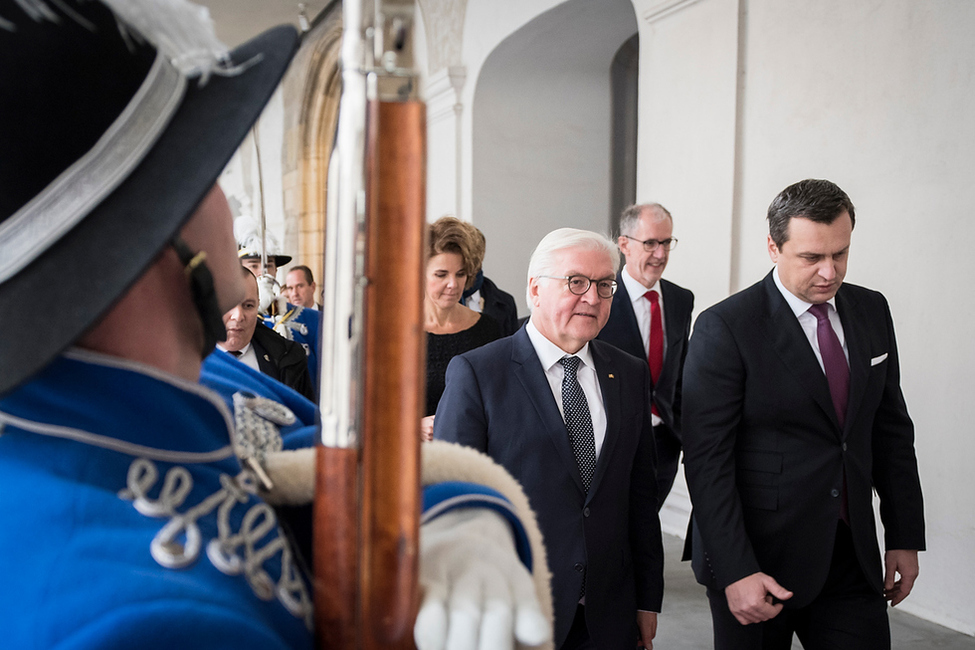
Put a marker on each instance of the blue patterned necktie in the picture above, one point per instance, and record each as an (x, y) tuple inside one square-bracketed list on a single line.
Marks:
[(578, 420)]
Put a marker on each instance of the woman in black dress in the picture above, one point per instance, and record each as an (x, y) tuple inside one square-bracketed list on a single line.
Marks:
[(452, 328)]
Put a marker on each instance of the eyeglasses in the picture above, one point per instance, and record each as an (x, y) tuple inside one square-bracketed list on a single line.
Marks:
[(579, 284), (650, 245)]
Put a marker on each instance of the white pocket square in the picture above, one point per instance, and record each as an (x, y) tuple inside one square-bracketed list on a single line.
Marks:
[(877, 360)]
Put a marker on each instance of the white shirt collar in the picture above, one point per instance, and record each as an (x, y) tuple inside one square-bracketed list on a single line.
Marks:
[(798, 305), (635, 288), (549, 353), (243, 350)]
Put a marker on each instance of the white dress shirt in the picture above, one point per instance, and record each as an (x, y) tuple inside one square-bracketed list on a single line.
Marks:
[(247, 356), (641, 308), (809, 321), (549, 354)]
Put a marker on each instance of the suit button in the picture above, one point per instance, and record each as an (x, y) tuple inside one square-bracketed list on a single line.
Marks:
[(844, 446), (835, 492), (585, 512), (578, 567)]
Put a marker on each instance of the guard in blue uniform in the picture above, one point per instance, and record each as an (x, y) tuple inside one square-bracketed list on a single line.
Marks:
[(136, 524), (130, 495), (302, 326)]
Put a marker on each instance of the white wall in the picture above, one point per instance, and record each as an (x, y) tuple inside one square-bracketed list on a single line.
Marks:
[(686, 135), (872, 95), (880, 109)]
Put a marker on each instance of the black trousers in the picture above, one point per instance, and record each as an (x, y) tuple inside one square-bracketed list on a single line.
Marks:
[(847, 614), (668, 460), (578, 637)]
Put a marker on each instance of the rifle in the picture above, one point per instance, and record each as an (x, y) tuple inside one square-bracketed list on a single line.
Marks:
[(367, 494)]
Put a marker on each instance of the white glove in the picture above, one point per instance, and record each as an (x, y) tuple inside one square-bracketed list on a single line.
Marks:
[(267, 291), (477, 593)]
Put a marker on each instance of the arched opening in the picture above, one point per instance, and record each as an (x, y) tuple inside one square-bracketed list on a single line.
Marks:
[(286, 176), (625, 75), (542, 132)]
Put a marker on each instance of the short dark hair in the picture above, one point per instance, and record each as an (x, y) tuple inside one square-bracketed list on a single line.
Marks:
[(818, 200), (309, 278)]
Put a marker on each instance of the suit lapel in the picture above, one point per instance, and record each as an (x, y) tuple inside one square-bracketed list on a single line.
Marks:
[(625, 307), (609, 386), (855, 333), (528, 370), (673, 308), (671, 311), (263, 362), (792, 346)]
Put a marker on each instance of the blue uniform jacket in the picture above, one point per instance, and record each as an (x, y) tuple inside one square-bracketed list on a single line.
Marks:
[(129, 522), (302, 326)]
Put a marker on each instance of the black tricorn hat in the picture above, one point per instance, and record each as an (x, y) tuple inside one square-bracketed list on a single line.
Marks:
[(114, 124)]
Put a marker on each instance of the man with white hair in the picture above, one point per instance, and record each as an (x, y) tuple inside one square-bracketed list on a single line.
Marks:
[(569, 417)]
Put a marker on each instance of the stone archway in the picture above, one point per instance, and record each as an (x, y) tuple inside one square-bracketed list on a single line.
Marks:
[(312, 89)]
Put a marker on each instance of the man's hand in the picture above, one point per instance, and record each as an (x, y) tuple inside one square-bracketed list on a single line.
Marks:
[(904, 563), (750, 599), (426, 428), (646, 622), (477, 593)]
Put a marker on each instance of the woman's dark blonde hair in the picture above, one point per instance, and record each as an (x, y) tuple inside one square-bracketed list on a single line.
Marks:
[(451, 235)]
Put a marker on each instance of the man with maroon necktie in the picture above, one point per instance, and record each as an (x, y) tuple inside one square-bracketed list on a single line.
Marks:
[(793, 417)]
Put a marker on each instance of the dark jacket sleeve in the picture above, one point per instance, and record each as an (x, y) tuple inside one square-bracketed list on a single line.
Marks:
[(713, 394), (460, 414), (645, 540), (678, 404), (895, 474), (500, 305)]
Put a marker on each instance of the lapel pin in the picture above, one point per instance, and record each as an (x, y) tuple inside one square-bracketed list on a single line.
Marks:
[(612, 376)]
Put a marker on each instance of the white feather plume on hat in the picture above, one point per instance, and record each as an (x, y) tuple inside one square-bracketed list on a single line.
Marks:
[(247, 232), (182, 30)]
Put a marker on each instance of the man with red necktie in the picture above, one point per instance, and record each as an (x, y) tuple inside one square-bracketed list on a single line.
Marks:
[(651, 319)]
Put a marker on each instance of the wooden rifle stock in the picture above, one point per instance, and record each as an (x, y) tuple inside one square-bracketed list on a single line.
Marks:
[(367, 496), (394, 379)]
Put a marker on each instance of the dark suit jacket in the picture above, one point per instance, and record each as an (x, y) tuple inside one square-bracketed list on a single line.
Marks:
[(764, 453), (282, 360), (499, 402), (500, 305), (622, 331)]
